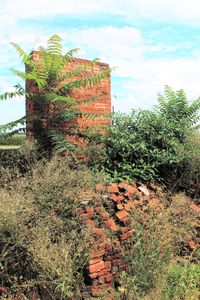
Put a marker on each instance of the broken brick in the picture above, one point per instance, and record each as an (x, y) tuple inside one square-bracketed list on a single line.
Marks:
[(100, 187), (130, 192), (94, 254), (111, 224), (104, 272), (108, 277), (96, 260), (121, 214), (195, 208), (97, 267), (113, 188)]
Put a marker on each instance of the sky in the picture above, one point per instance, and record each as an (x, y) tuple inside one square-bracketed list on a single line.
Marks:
[(150, 43)]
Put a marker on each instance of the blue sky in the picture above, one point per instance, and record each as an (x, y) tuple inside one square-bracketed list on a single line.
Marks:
[(151, 42)]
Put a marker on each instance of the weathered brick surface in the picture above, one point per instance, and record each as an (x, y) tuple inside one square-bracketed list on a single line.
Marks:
[(102, 105)]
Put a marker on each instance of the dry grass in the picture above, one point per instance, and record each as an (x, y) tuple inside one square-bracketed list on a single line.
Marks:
[(43, 242)]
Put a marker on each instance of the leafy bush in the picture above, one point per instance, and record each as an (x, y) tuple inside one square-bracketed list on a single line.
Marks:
[(43, 242), (157, 144), (141, 144)]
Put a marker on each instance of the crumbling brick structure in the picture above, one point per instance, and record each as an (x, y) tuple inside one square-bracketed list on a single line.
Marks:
[(107, 213), (101, 91)]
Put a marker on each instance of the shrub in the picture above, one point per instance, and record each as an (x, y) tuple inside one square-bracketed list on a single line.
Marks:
[(141, 146), (161, 144)]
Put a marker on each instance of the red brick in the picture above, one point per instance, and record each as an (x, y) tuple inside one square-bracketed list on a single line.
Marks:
[(126, 220), (3, 290), (104, 272), (121, 214), (107, 264), (103, 213), (130, 192), (93, 275), (99, 290), (98, 231), (108, 277), (89, 210), (154, 202), (102, 279), (113, 188), (125, 229), (111, 224), (103, 104), (97, 253), (128, 206), (94, 261), (117, 198), (100, 187), (152, 186), (88, 215), (97, 267), (195, 208), (126, 235), (123, 185), (89, 223)]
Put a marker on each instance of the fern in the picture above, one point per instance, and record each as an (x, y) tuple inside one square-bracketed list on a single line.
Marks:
[(176, 107), (51, 100)]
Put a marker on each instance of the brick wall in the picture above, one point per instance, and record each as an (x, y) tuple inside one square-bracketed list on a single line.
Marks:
[(100, 106)]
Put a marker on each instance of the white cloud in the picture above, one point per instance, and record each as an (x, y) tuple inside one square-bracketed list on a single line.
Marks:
[(170, 10), (123, 47)]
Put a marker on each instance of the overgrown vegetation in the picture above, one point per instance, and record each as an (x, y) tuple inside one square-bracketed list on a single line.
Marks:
[(43, 243), (157, 268), (160, 145)]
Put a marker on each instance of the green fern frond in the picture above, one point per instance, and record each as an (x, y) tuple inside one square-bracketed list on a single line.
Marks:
[(68, 115), (95, 115), (38, 78), (82, 82), (26, 58), (92, 99), (73, 73), (54, 45), (9, 95), (60, 143), (71, 52), (60, 99), (11, 125)]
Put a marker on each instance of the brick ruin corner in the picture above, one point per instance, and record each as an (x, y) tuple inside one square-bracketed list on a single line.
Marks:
[(102, 104)]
